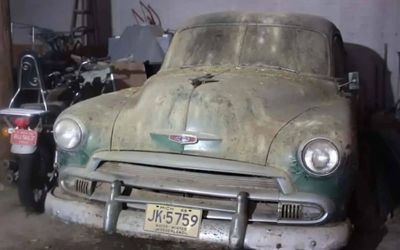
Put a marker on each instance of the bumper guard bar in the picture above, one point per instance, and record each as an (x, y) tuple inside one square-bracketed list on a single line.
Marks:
[(238, 225)]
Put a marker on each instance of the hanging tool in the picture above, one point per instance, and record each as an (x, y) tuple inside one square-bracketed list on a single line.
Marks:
[(147, 16)]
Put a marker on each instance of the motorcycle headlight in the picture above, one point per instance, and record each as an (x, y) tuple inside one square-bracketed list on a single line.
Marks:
[(67, 133), (320, 157)]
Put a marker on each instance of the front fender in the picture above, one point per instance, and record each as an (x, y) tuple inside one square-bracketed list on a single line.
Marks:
[(97, 116), (332, 121)]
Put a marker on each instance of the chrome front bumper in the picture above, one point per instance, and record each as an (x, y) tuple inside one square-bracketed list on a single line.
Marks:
[(236, 233), (246, 205)]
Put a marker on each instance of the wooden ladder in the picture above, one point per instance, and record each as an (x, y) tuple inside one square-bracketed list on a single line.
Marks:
[(85, 10)]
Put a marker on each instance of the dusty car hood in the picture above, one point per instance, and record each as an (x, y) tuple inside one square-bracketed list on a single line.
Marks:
[(234, 118)]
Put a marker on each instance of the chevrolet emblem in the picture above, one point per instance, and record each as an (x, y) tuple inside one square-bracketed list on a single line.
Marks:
[(183, 139)]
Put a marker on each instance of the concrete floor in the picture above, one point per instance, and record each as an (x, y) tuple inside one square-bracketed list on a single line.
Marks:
[(391, 240), (385, 238), (19, 230)]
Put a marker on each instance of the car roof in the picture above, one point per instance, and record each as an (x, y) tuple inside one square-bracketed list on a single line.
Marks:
[(302, 21)]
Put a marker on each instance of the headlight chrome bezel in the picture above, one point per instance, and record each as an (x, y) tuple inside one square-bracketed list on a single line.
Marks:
[(81, 128), (300, 155)]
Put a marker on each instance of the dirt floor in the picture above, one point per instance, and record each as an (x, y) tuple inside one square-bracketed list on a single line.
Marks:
[(19, 230)]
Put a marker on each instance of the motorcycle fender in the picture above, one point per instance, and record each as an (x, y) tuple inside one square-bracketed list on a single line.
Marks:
[(23, 149)]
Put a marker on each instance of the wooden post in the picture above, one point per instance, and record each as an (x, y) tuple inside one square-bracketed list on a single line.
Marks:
[(6, 82)]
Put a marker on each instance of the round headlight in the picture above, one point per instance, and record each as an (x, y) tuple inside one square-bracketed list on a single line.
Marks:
[(67, 133), (320, 157)]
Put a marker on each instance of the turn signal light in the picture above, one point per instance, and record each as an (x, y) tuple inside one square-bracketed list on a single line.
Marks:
[(4, 132)]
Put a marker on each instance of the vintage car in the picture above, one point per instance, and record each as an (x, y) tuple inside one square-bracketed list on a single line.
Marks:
[(244, 138)]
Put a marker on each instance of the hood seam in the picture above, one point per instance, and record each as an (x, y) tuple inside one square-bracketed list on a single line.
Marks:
[(284, 126), (118, 113)]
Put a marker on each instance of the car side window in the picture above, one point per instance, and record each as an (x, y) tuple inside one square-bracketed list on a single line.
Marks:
[(338, 57)]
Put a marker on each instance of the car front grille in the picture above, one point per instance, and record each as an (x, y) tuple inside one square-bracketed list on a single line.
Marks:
[(216, 193)]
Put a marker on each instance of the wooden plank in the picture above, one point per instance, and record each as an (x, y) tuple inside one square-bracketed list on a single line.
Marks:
[(6, 82)]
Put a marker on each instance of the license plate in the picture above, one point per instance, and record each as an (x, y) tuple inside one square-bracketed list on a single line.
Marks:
[(173, 220), (23, 137)]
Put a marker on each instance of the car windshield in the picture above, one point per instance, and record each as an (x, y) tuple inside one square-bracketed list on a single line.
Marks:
[(250, 45)]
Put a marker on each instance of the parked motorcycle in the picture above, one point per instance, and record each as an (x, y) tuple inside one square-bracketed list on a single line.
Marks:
[(30, 117)]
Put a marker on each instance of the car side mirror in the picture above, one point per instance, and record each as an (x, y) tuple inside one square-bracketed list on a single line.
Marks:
[(352, 85), (354, 81)]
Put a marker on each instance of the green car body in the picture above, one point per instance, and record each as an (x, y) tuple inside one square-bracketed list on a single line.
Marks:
[(238, 95)]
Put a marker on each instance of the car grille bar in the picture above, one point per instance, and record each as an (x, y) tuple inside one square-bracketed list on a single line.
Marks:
[(85, 187), (191, 163), (200, 183), (290, 211)]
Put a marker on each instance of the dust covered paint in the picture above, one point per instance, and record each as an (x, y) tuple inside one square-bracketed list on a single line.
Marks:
[(245, 108)]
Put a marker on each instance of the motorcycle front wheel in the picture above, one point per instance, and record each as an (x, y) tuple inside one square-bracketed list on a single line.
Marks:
[(32, 180)]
